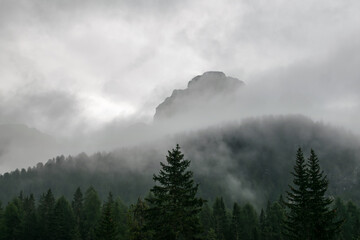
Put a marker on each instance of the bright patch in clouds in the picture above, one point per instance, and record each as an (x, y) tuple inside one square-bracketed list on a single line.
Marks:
[(347, 103), (101, 110)]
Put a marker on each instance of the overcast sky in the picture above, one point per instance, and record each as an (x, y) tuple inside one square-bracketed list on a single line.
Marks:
[(76, 65)]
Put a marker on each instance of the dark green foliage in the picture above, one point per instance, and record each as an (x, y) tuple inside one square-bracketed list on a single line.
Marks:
[(297, 223), (322, 217), (91, 213), (250, 223), (137, 221), (341, 213), (174, 208), (211, 235), (120, 218), (272, 228), (12, 221), (106, 229), (236, 223), (220, 219), (46, 215), (29, 224), (2, 227), (262, 225), (77, 208), (353, 219), (64, 221), (206, 219), (17, 221), (351, 214), (310, 216)]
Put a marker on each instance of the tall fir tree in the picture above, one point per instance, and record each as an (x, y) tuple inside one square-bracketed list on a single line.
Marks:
[(275, 216), (2, 227), (310, 216), (322, 218), (106, 229), (206, 219), (174, 208), (211, 235), (250, 222), (46, 215), (77, 208), (29, 224), (137, 223), (220, 219), (64, 221), (354, 215), (120, 217), (263, 225), (12, 221), (236, 221), (91, 213), (297, 225)]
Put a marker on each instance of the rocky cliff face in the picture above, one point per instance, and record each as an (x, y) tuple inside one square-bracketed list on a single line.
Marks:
[(200, 93)]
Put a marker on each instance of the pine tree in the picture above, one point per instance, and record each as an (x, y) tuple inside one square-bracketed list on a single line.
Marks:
[(220, 219), (236, 221), (64, 221), (322, 218), (29, 225), (206, 219), (106, 229), (211, 235), (46, 215), (297, 224), (12, 221), (174, 207), (250, 222), (137, 222), (275, 216), (120, 217), (342, 213), (91, 213), (353, 219), (2, 227), (263, 225), (310, 216), (77, 208)]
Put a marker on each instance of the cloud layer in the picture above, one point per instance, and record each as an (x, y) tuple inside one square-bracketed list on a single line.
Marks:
[(77, 65)]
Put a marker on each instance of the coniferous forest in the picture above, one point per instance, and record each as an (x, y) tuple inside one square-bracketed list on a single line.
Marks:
[(173, 210), (179, 120)]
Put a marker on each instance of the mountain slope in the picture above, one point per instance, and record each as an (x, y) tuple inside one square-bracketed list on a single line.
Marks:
[(242, 162), (19, 142)]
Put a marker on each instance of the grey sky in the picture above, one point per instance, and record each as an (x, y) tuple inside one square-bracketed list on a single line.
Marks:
[(76, 65)]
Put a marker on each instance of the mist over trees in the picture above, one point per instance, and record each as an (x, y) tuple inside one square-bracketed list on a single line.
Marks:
[(241, 162)]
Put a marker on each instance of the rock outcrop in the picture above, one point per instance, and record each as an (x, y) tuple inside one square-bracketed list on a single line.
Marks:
[(200, 92)]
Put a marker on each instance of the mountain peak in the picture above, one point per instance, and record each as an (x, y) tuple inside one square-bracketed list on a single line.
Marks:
[(200, 90), (213, 80)]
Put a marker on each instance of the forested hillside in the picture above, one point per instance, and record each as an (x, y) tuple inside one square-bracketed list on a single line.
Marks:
[(85, 216), (242, 162)]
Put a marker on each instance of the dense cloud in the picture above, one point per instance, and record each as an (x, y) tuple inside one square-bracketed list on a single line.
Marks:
[(92, 71), (122, 58)]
